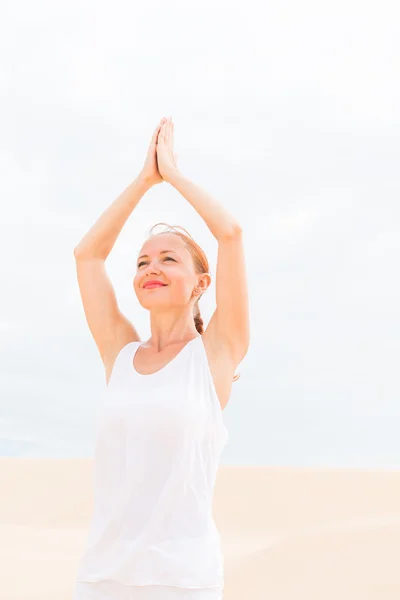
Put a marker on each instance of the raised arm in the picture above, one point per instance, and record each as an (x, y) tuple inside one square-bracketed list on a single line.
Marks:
[(229, 326), (110, 329)]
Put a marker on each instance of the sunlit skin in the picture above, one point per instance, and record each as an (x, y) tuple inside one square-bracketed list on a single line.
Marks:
[(161, 160), (170, 307)]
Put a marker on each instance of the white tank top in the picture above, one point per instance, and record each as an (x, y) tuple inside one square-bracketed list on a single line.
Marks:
[(159, 439)]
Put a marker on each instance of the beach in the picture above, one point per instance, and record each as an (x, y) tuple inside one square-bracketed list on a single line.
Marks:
[(287, 533)]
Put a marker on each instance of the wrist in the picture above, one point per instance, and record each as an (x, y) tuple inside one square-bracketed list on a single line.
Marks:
[(172, 176), (144, 181)]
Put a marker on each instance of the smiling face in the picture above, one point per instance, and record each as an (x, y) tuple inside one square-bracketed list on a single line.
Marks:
[(174, 268)]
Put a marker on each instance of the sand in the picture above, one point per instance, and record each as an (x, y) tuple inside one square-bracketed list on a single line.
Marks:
[(287, 533)]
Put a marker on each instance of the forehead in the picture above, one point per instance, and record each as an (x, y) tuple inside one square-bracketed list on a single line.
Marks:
[(162, 242)]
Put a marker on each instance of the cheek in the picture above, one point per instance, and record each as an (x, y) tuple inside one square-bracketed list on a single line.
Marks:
[(135, 283), (182, 288), (179, 280)]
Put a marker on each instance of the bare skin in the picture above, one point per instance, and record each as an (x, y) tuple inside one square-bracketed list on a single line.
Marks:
[(171, 314), (171, 306)]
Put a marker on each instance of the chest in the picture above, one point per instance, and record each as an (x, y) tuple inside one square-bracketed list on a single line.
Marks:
[(219, 364)]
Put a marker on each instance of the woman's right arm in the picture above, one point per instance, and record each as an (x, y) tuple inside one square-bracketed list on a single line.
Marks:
[(100, 239), (110, 329)]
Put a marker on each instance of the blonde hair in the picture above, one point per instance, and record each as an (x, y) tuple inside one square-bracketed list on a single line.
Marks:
[(200, 263)]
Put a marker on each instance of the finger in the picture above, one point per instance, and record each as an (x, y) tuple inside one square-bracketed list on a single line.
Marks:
[(153, 141), (171, 132), (159, 131), (156, 132), (161, 135), (163, 132), (168, 132)]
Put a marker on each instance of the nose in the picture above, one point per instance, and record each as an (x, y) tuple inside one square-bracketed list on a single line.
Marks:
[(151, 269)]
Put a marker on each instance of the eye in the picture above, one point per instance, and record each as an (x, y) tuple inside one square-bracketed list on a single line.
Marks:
[(143, 262)]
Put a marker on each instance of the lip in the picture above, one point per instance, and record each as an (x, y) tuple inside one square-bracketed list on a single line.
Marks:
[(153, 284)]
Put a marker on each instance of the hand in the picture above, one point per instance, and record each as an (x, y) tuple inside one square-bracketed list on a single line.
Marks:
[(150, 170), (166, 157)]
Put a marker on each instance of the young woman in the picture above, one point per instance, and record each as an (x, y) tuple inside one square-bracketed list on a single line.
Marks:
[(161, 432)]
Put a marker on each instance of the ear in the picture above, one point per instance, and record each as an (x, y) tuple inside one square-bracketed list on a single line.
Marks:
[(206, 278)]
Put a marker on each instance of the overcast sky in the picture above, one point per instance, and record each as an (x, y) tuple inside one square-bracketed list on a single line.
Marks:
[(289, 114)]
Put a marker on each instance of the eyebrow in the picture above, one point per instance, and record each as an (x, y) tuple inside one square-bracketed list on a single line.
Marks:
[(162, 252)]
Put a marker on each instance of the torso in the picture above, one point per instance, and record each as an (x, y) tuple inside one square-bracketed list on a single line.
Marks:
[(220, 362)]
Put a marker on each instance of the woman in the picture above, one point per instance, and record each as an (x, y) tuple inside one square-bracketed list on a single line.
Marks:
[(161, 431)]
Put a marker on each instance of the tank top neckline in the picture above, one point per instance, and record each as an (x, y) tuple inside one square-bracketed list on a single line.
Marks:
[(136, 372)]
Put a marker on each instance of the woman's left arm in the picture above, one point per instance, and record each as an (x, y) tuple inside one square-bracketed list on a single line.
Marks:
[(230, 323), (229, 326), (219, 221)]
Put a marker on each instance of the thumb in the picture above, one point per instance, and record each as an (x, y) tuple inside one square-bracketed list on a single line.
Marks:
[(155, 134)]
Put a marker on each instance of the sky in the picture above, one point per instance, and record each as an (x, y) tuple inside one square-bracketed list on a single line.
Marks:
[(288, 113)]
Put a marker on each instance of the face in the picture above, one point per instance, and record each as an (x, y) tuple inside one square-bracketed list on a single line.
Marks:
[(174, 268)]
